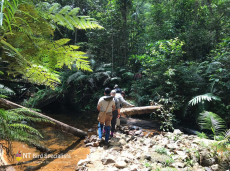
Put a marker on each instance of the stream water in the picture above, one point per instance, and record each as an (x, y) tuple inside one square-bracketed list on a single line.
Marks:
[(68, 149)]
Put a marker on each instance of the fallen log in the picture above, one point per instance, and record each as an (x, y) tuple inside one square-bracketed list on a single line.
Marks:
[(6, 104), (139, 110)]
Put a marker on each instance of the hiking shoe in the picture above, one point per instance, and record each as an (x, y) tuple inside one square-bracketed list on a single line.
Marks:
[(106, 144)]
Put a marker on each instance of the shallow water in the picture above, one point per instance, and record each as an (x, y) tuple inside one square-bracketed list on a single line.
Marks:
[(70, 148)]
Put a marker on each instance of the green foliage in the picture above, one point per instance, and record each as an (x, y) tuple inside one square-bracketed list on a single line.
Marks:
[(163, 55), (67, 16), (168, 162), (211, 121), (202, 135), (165, 117), (161, 150), (14, 126), (5, 91), (79, 90), (28, 48), (197, 23), (198, 99)]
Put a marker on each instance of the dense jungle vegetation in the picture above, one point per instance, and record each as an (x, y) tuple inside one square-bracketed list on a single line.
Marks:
[(59, 55)]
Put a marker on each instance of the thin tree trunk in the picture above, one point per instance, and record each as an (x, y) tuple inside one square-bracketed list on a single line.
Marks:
[(6, 104), (139, 110)]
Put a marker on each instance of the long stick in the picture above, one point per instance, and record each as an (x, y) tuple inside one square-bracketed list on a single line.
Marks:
[(6, 104), (139, 110)]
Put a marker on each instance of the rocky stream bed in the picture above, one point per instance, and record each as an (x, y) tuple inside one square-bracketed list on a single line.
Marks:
[(133, 150)]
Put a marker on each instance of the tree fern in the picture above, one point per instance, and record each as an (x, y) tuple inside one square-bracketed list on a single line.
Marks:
[(37, 57), (14, 126), (67, 16), (211, 121), (25, 128), (201, 98), (65, 55), (5, 91)]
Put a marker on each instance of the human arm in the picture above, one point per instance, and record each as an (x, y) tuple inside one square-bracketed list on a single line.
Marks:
[(125, 103), (98, 108), (99, 104)]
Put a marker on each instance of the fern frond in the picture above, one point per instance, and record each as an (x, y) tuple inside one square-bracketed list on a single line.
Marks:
[(23, 136), (74, 11), (10, 8), (74, 76), (11, 127), (25, 114), (227, 134), (211, 121), (40, 75), (65, 9), (61, 42), (204, 97), (5, 90), (26, 128), (66, 17), (54, 8)]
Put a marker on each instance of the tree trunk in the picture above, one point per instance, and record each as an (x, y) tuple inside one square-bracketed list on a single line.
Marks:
[(6, 104), (139, 110)]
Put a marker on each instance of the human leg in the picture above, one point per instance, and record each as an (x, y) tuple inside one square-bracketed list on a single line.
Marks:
[(107, 132), (113, 122), (107, 126), (100, 129)]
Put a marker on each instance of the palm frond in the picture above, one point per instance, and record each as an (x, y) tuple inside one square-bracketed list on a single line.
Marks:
[(205, 97), (211, 121)]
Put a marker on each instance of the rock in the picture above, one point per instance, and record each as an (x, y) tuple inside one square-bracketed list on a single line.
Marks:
[(89, 144), (147, 157), (138, 155), (178, 165), (182, 155), (122, 142), (134, 128), (208, 169), (133, 168), (107, 161), (95, 144), (138, 132), (172, 146), (90, 130), (116, 148), (208, 162), (83, 162), (86, 141), (120, 164), (197, 167), (93, 138), (177, 132)]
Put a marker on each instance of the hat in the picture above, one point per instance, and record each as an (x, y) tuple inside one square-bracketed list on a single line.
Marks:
[(113, 92), (116, 86)]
